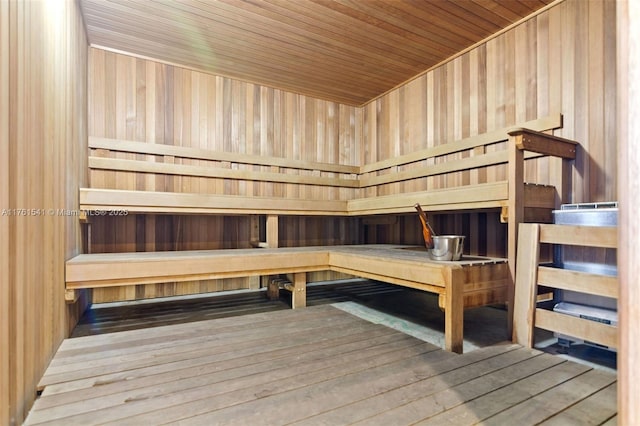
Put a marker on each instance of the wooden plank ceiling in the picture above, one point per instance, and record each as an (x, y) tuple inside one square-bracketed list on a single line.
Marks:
[(347, 51)]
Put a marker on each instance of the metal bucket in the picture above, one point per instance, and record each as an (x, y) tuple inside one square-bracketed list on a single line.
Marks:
[(447, 247)]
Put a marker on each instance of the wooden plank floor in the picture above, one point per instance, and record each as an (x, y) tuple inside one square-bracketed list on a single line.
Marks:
[(127, 316), (318, 365)]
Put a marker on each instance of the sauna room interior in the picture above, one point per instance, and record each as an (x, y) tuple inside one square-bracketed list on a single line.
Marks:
[(181, 177)]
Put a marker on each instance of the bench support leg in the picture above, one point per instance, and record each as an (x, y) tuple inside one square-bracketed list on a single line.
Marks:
[(299, 293), (273, 292), (273, 287), (71, 295), (453, 313), (515, 217)]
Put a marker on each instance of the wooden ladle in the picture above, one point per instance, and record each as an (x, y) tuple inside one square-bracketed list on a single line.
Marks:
[(427, 231)]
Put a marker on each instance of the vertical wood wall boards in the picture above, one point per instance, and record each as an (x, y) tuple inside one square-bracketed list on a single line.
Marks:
[(145, 101), (560, 60), (43, 133), (5, 277), (628, 223)]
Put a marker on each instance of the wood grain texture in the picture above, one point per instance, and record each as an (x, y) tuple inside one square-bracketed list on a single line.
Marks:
[(530, 275), (548, 64), (174, 111), (552, 62), (43, 155), (477, 281), (600, 333), (348, 52), (628, 108), (5, 245), (290, 127), (207, 232), (604, 236), (310, 366), (527, 272)]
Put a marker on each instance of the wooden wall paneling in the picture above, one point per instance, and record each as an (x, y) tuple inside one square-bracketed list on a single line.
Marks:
[(543, 170), (146, 106), (110, 111), (415, 122), (170, 105), (318, 144), (578, 12), (451, 120), (433, 118), (494, 75), (463, 99), (43, 119), (5, 252), (556, 58), (308, 135), (75, 157), (628, 108), (34, 348), (382, 140), (540, 66), (524, 78), (331, 143), (610, 141), (475, 83), (249, 131), (549, 91), (430, 120), (17, 333), (278, 131), (266, 127), (595, 119), (290, 117), (164, 116), (96, 107), (496, 96)]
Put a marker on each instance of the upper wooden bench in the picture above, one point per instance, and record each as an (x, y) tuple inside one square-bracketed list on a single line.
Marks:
[(114, 179)]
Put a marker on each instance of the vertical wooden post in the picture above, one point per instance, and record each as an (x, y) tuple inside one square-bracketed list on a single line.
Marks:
[(299, 293), (561, 170), (272, 231), (515, 216), (254, 229), (628, 108), (273, 287), (6, 280), (254, 239), (526, 284), (266, 281), (273, 291), (453, 310)]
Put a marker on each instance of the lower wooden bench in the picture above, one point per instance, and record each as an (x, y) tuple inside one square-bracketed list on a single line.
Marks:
[(470, 282)]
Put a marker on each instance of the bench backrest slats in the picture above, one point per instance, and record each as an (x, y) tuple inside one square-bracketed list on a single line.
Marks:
[(142, 166), (204, 154), (107, 155), (553, 121)]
